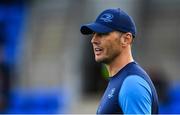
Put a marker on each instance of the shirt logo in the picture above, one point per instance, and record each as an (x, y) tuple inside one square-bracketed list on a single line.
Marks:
[(107, 17), (111, 94)]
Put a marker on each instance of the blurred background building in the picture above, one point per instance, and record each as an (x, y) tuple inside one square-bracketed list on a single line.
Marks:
[(47, 66)]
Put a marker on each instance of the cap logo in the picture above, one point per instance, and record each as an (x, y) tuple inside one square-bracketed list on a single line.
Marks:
[(106, 17)]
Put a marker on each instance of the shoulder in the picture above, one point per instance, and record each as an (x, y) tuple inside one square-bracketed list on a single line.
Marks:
[(135, 83), (135, 95)]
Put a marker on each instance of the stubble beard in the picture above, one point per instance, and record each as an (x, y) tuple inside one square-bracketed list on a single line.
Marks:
[(108, 59)]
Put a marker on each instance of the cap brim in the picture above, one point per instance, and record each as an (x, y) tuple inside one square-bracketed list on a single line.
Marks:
[(94, 27)]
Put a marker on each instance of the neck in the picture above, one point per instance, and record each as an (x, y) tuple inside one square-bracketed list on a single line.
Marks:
[(119, 62)]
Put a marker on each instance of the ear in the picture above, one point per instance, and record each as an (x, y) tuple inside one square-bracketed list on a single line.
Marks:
[(126, 39)]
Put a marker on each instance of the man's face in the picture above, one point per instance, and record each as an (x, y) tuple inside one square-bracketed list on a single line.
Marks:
[(106, 46)]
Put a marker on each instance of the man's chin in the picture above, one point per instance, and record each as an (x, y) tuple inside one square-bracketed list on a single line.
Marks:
[(102, 60), (99, 60)]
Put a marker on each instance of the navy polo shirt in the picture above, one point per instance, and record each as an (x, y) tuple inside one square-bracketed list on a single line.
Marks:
[(130, 91)]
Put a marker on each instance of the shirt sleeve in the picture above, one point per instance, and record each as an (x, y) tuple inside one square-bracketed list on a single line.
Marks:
[(135, 96)]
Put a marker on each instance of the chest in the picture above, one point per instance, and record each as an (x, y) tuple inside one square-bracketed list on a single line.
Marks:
[(109, 102)]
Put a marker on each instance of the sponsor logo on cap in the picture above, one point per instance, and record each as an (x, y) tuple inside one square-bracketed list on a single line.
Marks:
[(107, 17)]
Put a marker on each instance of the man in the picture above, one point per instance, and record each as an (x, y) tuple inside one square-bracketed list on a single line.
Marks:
[(130, 90)]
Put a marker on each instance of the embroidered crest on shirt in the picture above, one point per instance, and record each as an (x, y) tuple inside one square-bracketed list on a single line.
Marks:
[(111, 94)]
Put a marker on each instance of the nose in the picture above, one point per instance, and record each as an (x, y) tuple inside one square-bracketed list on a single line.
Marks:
[(95, 39)]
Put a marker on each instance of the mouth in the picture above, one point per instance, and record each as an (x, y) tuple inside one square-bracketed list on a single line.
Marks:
[(98, 50)]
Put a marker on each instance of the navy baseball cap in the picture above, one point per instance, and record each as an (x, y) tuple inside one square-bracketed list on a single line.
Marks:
[(110, 20)]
